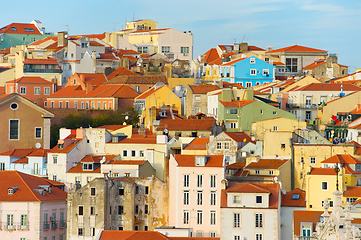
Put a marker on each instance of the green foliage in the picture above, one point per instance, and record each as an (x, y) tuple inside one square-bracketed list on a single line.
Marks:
[(54, 135)]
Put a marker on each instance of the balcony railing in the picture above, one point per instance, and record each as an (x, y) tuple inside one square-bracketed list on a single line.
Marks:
[(62, 224), (27, 70), (46, 225), (301, 105), (10, 227), (54, 224)]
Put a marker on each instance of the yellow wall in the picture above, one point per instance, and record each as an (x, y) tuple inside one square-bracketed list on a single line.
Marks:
[(194, 152), (172, 82), (273, 144), (146, 22), (282, 124), (7, 75), (127, 130)]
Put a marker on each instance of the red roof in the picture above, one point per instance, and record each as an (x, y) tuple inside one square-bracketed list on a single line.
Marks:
[(189, 160), (305, 216), (137, 79), (315, 64), (266, 164), (94, 78), (120, 72), (127, 162), (240, 103), (186, 124), (148, 92), (144, 235), (38, 42), (95, 43), (231, 85), (296, 48), (236, 165), (352, 191), (322, 171), (290, 200), (203, 89), (107, 57), (197, 144), (26, 185), (51, 61), (233, 61), (20, 153), (339, 158), (139, 139), (239, 136), (113, 127), (329, 87), (91, 159), (21, 28), (27, 79), (210, 55)]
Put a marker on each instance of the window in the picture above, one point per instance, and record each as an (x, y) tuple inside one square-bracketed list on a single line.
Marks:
[(92, 210), (80, 210), (233, 111), (184, 49), (237, 237), (75, 104), (252, 60), (125, 153), (104, 105), (55, 159), (141, 153), (137, 89), (66, 104), (133, 153), (296, 196), (351, 200), (270, 172), (199, 217), (197, 98), (257, 172), (275, 128), (37, 132), (312, 160), (120, 209), (84, 45), (146, 190), (135, 227), (146, 210), (219, 145), (136, 209), (258, 220), (93, 231), (213, 179), (212, 234), (55, 178), (185, 197), (237, 199), (248, 84), (60, 104), (23, 90), (10, 220), (199, 197), (77, 180), (233, 125), (24, 220), (185, 217), (82, 105), (98, 105), (52, 104), (14, 129), (253, 71), (165, 49), (136, 190), (261, 111), (86, 105), (226, 145), (37, 90), (265, 72), (258, 199), (213, 198), (259, 236), (212, 220), (199, 180), (236, 220), (92, 191), (291, 64), (121, 191), (140, 49), (308, 101), (283, 145), (80, 231), (274, 113), (2, 166), (186, 180), (324, 186)]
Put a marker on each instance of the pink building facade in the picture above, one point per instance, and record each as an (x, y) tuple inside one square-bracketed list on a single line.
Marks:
[(194, 193)]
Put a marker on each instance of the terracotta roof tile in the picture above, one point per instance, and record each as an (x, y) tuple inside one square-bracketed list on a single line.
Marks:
[(239, 136), (197, 144), (246, 188), (66, 149), (21, 28), (139, 139), (236, 165), (94, 78), (342, 159), (18, 152), (315, 64), (296, 48), (28, 79), (23, 160), (26, 185), (186, 124), (240, 103), (91, 159), (131, 235), (266, 164), (352, 191), (126, 162), (203, 89), (148, 92), (38, 42), (210, 55), (189, 160), (322, 171), (329, 87), (288, 199), (137, 79), (233, 61), (121, 71), (231, 85), (51, 61), (305, 216)]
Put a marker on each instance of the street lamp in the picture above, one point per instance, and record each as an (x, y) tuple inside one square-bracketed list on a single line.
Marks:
[(337, 170)]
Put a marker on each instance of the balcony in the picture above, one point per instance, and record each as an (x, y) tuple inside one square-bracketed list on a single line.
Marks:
[(62, 224), (10, 227), (301, 105), (54, 224), (46, 225), (304, 238), (23, 227), (42, 70)]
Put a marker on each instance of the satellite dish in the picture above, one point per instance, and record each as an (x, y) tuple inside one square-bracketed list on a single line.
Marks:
[(283, 191), (38, 145), (253, 138), (166, 131)]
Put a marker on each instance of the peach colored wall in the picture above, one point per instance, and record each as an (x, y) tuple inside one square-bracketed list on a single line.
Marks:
[(176, 197)]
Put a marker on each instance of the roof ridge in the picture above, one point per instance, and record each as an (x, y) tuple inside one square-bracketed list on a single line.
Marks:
[(27, 186)]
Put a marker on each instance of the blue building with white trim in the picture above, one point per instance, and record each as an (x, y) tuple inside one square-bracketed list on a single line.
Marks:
[(248, 72)]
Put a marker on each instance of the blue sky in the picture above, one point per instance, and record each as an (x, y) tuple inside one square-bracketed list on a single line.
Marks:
[(329, 25)]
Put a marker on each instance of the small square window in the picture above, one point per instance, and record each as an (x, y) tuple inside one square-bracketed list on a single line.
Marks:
[(252, 60), (121, 191), (133, 153), (92, 191), (296, 196), (324, 186), (258, 199), (125, 153)]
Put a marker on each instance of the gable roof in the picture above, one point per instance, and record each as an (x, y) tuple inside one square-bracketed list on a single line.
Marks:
[(328, 87), (38, 42), (186, 124), (342, 158), (233, 61), (49, 60), (352, 191), (94, 78), (239, 136), (149, 92), (121, 71), (137, 79), (266, 164), (21, 28), (26, 184), (29, 79), (240, 103), (151, 235), (202, 89), (315, 64), (189, 160), (322, 171), (210, 55), (34, 152), (288, 201), (305, 216), (197, 143), (296, 48)]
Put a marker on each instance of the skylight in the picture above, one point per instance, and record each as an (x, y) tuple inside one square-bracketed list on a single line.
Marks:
[(295, 196), (29, 30), (13, 28)]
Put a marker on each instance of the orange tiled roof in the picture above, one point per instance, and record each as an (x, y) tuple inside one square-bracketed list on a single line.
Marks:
[(95, 43), (322, 171), (94, 78), (231, 85), (120, 91), (137, 79), (233, 61), (287, 201), (38, 42), (352, 191), (315, 64), (120, 72), (296, 48), (21, 28), (99, 36), (51, 61), (329, 87), (246, 188), (197, 144), (28, 79), (266, 164), (189, 160), (186, 124), (339, 158), (240, 103), (23, 160), (255, 48), (90, 159), (66, 149), (107, 57), (18, 152), (131, 235), (305, 216), (127, 162), (239, 136), (26, 185), (54, 47), (203, 89), (210, 55), (148, 92), (127, 51), (139, 139), (236, 165)]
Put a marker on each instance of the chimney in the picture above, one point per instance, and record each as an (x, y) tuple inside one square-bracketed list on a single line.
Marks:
[(236, 47), (89, 87), (243, 47), (80, 133), (107, 37), (62, 38)]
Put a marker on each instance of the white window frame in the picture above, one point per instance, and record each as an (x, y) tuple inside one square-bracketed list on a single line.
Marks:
[(46, 90), (199, 217), (237, 220), (322, 188), (265, 72), (41, 132), (18, 133), (186, 197), (212, 217), (36, 90), (186, 178), (185, 217), (258, 219), (312, 160), (253, 72), (199, 180), (252, 60), (213, 198), (23, 90), (212, 180)]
